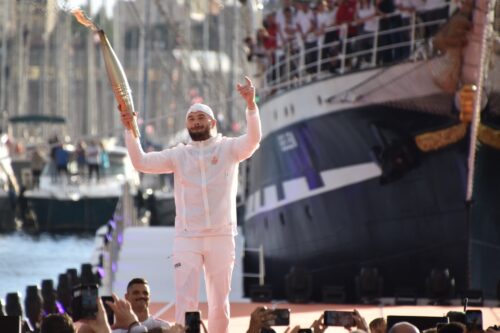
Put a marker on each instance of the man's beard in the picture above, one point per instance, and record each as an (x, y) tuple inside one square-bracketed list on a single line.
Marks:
[(201, 135)]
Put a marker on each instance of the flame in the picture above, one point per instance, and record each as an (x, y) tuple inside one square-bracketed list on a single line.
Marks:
[(80, 16)]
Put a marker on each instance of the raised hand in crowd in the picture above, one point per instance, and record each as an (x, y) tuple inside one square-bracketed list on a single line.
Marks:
[(99, 324), (124, 316), (360, 321), (260, 318), (493, 329), (318, 326)]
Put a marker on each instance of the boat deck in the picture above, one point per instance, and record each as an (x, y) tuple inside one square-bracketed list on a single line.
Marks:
[(305, 314)]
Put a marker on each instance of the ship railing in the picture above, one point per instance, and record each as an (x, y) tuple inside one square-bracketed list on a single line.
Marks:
[(262, 269), (290, 69)]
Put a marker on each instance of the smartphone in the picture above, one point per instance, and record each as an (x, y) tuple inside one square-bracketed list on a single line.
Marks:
[(193, 320), (84, 302), (109, 313), (282, 317), (305, 330), (474, 320), (338, 318)]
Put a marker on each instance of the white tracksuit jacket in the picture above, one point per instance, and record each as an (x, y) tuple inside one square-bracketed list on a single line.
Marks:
[(205, 178), (205, 181)]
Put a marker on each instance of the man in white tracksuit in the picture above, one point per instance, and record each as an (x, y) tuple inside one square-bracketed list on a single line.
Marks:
[(205, 183)]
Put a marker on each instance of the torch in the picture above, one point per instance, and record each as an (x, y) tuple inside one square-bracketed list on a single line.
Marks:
[(114, 69)]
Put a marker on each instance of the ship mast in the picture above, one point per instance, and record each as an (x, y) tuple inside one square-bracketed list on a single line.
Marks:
[(91, 119), (23, 54), (144, 59), (64, 74), (3, 62), (475, 66)]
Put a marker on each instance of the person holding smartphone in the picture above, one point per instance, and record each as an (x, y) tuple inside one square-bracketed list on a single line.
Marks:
[(138, 294), (205, 185), (126, 320), (262, 318)]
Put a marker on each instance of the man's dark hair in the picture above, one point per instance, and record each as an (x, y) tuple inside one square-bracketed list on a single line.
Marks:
[(57, 323), (453, 327), (137, 281), (376, 322)]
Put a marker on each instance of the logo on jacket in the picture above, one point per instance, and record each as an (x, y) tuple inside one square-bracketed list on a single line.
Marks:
[(215, 160), (177, 265)]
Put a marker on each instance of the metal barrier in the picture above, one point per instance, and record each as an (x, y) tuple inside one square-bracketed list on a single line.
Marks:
[(125, 216), (262, 270)]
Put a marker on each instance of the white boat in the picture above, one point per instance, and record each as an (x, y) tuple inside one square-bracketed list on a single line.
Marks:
[(75, 204)]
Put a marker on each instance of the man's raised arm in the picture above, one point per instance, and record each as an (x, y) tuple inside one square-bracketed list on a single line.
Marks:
[(152, 162), (248, 143)]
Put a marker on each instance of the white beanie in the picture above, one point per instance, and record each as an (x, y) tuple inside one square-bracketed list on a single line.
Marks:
[(201, 108)]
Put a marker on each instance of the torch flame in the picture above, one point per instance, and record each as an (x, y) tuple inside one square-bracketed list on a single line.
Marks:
[(80, 16)]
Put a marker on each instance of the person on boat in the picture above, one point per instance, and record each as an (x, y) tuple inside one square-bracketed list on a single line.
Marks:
[(93, 157), (205, 177), (80, 158), (37, 164), (61, 159)]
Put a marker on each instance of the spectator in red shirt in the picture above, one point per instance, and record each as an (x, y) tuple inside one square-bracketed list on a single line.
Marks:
[(346, 14)]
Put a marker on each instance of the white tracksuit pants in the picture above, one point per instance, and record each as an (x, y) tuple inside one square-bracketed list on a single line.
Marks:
[(216, 255)]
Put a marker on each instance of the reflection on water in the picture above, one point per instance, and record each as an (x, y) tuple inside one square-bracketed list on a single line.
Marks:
[(27, 260)]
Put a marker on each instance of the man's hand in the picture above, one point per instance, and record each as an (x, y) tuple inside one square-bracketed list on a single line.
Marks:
[(123, 313), (177, 328), (292, 330), (99, 324), (126, 117), (318, 326), (360, 321), (260, 317), (247, 91)]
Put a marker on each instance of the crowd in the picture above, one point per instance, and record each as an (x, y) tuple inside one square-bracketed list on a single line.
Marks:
[(314, 27), (131, 314)]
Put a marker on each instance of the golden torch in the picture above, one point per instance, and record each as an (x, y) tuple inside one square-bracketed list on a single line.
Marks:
[(116, 74)]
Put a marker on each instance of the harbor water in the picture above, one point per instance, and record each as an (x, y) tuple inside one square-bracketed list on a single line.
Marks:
[(27, 260)]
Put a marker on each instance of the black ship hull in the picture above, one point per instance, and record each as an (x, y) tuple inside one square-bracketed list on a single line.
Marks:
[(349, 189)]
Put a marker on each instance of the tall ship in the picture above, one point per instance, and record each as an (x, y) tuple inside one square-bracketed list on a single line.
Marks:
[(389, 168)]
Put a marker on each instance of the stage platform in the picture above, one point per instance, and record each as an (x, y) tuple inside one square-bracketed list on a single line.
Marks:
[(305, 314)]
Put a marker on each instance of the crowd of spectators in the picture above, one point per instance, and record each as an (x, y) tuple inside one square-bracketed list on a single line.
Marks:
[(319, 28), (131, 314)]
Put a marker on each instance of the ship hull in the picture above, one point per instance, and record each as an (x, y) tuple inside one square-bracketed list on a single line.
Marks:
[(7, 213), (348, 189), (85, 214)]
